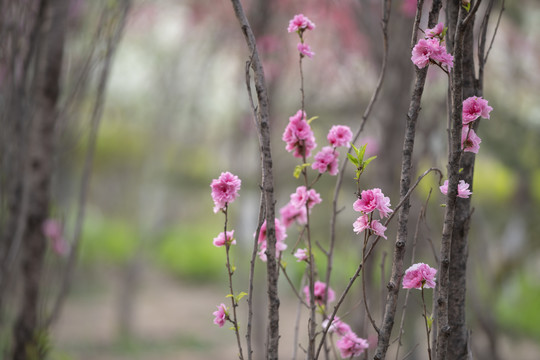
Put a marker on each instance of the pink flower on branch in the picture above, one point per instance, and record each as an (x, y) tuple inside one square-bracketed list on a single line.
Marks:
[(339, 327), (298, 136), (220, 239), (473, 108), (371, 200), (435, 31), (225, 190), (301, 255), (303, 196), (221, 315), (339, 135), (305, 50), (326, 160), (378, 228), (470, 142), (463, 189), (427, 50), (350, 345), (361, 224), (300, 23), (319, 290), (281, 235), (290, 213), (418, 276)]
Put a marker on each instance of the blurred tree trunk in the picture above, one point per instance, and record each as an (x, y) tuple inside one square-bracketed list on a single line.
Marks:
[(42, 109)]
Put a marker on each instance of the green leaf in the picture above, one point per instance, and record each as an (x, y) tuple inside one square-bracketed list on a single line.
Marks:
[(353, 159), (443, 34), (298, 169), (369, 160), (356, 150), (466, 5), (362, 152), (233, 269), (429, 321), (311, 119), (240, 296), (229, 295)]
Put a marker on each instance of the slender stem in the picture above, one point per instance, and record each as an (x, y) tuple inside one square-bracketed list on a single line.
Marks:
[(427, 326), (233, 299), (366, 237)]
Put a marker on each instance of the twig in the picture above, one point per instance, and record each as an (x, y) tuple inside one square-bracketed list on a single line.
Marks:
[(495, 31), (292, 285)]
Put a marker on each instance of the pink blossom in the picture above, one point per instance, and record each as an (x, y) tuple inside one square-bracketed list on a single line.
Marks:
[(408, 7), (305, 50), (290, 213), (339, 327), (430, 49), (469, 140), (361, 224), (371, 200), (301, 255), (221, 315), (435, 31), (463, 189), (281, 235), (303, 196), (378, 228), (220, 239), (350, 345), (475, 107), (299, 136), (319, 289), (418, 276), (339, 135), (300, 23), (326, 160), (52, 229), (225, 190)]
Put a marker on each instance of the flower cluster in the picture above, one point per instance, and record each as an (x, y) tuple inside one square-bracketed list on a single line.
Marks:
[(296, 210), (299, 23), (463, 189), (419, 276), (431, 49), (319, 291), (327, 158), (473, 108), (281, 234), (299, 136), (225, 190), (221, 315), (369, 201), (349, 345)]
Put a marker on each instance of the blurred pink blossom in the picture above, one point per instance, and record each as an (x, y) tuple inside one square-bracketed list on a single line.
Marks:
[(290, 213), (305, 50), (470, 142), (303, 196), (225, 190), (408, 7), (281, 235), (463, 189), (300, 23), (435, 31), (326, 160), (52, 229), (220, 315), (361, 224), (339, 135), (319, 289), (301, 255), (475, 107), (427, 50), (350, 345), (220, 239), (418, 276), (339, 327)]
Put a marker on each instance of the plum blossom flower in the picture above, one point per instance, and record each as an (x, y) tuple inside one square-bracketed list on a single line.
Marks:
[(326, 160), (470, 142), (52, 229), (281, 235), (225, 190), (463, 189), (371, 200), (319, 290), (301, 255), (350, 345), (436, 31), (427, 50), (473, 108), (303, 196), (305, 50), (361, 224), (378, 228), (220, 239), (221, 315), (290, 213), (339, 327), (419, 276), (300, 23), (339, 135), (299, 136)]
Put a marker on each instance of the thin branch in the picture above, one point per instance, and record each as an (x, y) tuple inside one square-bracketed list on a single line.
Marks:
[(495, 31)]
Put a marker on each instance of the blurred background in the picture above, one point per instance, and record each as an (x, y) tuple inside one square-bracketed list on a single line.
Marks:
[(177, 114)]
